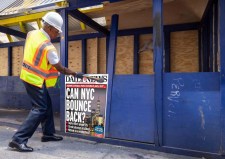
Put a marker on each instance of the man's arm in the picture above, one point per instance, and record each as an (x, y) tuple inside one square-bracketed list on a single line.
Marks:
[(63, 69), (67, 71)]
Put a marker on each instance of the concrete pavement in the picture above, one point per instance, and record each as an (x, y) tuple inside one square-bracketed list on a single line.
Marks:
[(70, 147)]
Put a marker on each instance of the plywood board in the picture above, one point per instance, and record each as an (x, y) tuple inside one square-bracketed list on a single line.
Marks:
[(183, 11), (17, 59), (102, 55), (75, 56), (92, 56), (138, 13), (184, 51), (145, 54), (125, 55), (125, 6), (4, 62)]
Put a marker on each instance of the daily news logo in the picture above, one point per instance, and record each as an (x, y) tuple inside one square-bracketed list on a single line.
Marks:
[(72, 79)]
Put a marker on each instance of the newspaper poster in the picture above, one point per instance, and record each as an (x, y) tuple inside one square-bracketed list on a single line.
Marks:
[(85, 105)]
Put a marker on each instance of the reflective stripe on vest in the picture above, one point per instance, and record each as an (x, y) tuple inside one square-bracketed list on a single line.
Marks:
[(38, 54), (38, 72), (35, 68)]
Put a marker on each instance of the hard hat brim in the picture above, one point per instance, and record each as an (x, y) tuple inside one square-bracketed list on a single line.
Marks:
[(49, 23)]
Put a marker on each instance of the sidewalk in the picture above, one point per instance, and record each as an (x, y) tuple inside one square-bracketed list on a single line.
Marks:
[(70, 147)]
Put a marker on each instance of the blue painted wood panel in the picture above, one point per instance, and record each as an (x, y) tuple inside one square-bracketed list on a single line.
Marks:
[(13, 94), (191, 113), (221, 49), (132, 113)]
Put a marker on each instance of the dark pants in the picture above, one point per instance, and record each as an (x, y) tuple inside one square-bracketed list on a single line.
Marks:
[(41, 112)]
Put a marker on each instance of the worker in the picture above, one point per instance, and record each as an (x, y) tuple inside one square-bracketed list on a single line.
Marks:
[(40, 70)]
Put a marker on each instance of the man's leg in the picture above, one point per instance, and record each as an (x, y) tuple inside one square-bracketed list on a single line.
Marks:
[(48, 126), (37, 113)]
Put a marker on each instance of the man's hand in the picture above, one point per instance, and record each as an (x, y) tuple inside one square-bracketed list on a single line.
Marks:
[(63, 69), (79, 74)]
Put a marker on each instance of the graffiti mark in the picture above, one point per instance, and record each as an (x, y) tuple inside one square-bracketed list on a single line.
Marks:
[(197, 84), (174, 95), (175, 90), (171, 112), (205, 102), (202, 117)]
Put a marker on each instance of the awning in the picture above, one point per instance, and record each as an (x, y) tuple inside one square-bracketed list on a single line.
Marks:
[(11, 7)]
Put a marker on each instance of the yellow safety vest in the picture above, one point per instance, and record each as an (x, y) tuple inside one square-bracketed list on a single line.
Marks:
[(35, 68)]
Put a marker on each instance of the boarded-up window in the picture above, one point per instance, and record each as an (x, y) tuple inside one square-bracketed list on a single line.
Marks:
[(125, 55), (145, 54), (75, 56), (184, 55), (4, 62), (92, 55), (102, 55)]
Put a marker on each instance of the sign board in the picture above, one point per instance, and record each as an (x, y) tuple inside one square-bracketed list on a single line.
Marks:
[(85, 105)]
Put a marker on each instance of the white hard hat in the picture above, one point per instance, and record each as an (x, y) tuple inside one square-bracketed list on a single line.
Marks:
[(54, 19)]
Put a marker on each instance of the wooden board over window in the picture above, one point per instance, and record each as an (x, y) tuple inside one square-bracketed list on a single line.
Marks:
[(184, 55), (75, 56), (102, 55), (4, 62), (145, 54), (92, 55), (125, 55)]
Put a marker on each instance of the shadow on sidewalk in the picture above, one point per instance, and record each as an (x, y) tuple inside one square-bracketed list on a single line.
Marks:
[(15, 117)]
